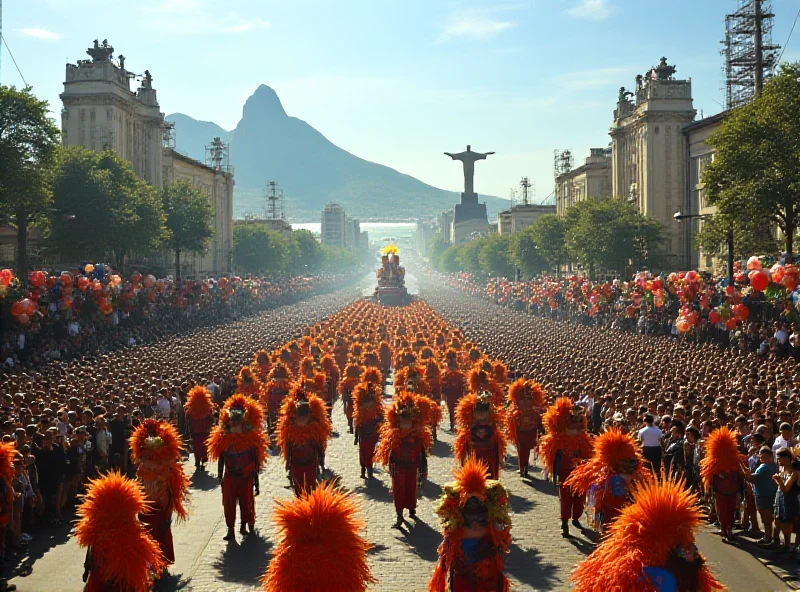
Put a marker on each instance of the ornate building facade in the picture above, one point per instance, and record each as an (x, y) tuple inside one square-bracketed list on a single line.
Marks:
[(591, 180)]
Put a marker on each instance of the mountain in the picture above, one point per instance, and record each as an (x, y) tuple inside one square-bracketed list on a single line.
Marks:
[(268, 144)]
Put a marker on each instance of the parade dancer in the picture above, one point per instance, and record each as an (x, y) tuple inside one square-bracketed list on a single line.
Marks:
[(432, 411), (480, 432), (199, 412), (651, 546), (368, 415), (453, 385), (319, 546), (8, 453), (311, 380), (565, 445), (303, 432), (246, 383), (523, 421), (352, 376), (156, 449), (608, 477), (720, 470), (120, 552), (476, 524), (405, 441), (275, 391), (332, 376), (239, 444), (433, 373), (480, 380), (260, 367)]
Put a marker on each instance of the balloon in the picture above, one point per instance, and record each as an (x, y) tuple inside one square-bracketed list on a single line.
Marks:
[(691, 276), (759, 280), (115, 280), (753, 263), (6, 275), (149, 280), (777, 271), (739, 277), (714, 318), (38, 279), (693, 318), (83, 283), (730, 324), (17, 309), (136, 277), (683, 325), (88, 269), (630, 310), (23, 319), (66, 279)]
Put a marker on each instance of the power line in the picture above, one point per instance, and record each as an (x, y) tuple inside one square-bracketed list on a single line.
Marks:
[(789, 39), (12, 58)]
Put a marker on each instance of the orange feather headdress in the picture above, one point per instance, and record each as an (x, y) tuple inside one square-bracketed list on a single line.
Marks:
[(722, 455), (465, 415), (309, 528), (7, 454), (658, 525), (318, 428), (404, 405), (500, 372), (612, 449), (124, 552), (556, 422), (156, 448), (245, 382), (480, 380), (373, 375), (199, 403), (517, 391), (279, 372), (251, 414), (364, 392)]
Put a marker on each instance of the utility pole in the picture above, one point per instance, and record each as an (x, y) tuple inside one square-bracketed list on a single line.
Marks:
[(759, 48)]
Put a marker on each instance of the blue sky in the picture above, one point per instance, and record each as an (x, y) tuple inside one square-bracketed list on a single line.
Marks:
[(398, 82)]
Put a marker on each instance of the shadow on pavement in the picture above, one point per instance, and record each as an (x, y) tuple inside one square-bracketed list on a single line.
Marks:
[(421, 538), (375, 489), (174, 582), (203, 481), (526, 565), (520, 505), (431, 490), (542, 486), (235, 563), (44, 539), (441, 448)]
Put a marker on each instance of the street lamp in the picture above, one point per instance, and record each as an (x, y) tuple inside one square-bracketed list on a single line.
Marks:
[(728, 239)]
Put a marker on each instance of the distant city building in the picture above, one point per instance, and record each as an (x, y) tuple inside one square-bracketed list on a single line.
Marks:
[(592, 180), (364, 241), (334, 225), (446, 226), (352, 234), (519, 217)]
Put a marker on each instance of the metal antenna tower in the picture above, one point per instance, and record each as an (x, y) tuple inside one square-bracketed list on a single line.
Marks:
[(218, 156), (525, 184), (562, 162)]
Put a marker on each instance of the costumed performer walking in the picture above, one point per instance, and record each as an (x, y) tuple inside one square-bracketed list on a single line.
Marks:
[(720, 470), (480, 431), (523, 420), (368, 414), (303, 432), (199, 412)]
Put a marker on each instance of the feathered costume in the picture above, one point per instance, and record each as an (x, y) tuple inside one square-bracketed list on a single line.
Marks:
[(480, 380), (261, 366), (303, 446), (500, 373), (246, 383), (454, 385), (156, 449), (332, 376), (720, 471), (523, 420), (368, 415), (476, 521), (405, 441), (319, 546), (608, 476), (278, 385), (352, 376), (414, 382), (199, 412), (239, 443), (655, 532), (311, 380), (480, 432), (8, 452), (565, 445), (121, 555)]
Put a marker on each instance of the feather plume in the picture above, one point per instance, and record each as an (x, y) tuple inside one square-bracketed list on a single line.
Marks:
[(252, 435), (722, 455), (391, 434), (199, 403), (465, 415), (7, 453), (318, 428), (610, 449)]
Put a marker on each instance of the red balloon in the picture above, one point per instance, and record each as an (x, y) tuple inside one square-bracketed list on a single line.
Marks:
[(38, 279), (759, 280), (730, 323), (23, 319), (17, 309), (740, 311), (6, 275), (714, 318)]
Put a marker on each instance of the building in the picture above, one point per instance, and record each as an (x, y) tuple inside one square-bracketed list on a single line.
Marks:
[(352, 234), (649, 157), (364, 240), (519, 217), (334, 224), (446, 225), (216, 181), (101, 111), (592, 180)]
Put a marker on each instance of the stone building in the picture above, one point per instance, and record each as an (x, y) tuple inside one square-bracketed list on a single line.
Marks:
[(521, 216), (334, 225), (591, 180), (101, 111), (649, 151), (445, 223)]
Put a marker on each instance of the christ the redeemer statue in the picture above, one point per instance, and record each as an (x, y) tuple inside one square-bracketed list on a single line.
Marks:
[(468, 158)]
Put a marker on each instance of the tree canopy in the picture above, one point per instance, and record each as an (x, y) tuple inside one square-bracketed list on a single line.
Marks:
[(189, 219)]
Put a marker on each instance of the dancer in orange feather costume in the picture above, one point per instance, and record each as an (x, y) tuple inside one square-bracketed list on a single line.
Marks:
[(247, 384), (368, 414), (609, 476), (523, 419), (332, 377), (261, 366), (721, 472), (476, 521), (565, 445), (274, 391), (121, 556), (8, 452), (352, 376), (454, 385), (239, 444), (199, 412), (156, 449), (480, 432), (405, 441), (319, 547), (480, 380), (651, 539)]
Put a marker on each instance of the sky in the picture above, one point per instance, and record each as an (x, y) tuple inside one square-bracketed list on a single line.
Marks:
[(398, 82)]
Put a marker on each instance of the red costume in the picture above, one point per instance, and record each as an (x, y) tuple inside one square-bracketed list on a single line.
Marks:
[(199, 412), (721, 472), (240, 445), (8, 453), (480, 432), (523, 421), (352, 376), (480, 380), (275, 391), (332, 376), (303, 432), (405, 441), (454, 385), (156, 449), (565, 445), (121, 555), (368, 415), (475, 518)]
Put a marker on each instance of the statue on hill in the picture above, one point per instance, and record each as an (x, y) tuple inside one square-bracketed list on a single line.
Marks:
[(468, 158)]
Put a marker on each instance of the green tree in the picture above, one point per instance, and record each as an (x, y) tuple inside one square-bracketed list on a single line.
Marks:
[(549, 233), (28, 149), (258, 250), (494, 256), (448, 262), (116, 213), (749, 236), (468, 256), (524, 253), (756, 171), (309, 252), (189, 220), (437, 246)]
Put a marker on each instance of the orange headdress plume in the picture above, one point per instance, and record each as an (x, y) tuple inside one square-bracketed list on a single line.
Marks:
[(327, 362), (404, 405), (309, 527), (246, 382), (199, 403), (126, 555), (280, 372), (556, 422), (465, 414), (318, 428), (251, 414), (500, 372), (722, 455), (480, 380), (364, 392), (7, 453), (660, 521), (518, 390), (373, 375), (612, 450)]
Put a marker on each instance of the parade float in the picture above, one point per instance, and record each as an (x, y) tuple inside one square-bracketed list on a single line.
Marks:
[(391, 289)]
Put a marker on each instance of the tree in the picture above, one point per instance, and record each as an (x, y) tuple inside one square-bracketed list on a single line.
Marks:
[(749, 236), (189, 220), (309, 252), (549, 233), (468, 256), (525, 255), (28, 148), (494, 256), (448, 262), (258, 250), (437, 246), (116, 213), (756, 171)]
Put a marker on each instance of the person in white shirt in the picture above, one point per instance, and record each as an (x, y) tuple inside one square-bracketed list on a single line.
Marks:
[(21, 341), (650, 438), (164, 408), (785, 440), (781, 335)]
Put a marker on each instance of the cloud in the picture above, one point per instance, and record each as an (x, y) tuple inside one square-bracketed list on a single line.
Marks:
[(245, 26), (197, 17), (42, 34), (477, 24), (595, 10)]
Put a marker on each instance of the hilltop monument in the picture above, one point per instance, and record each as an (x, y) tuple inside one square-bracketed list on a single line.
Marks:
[(469, 216)]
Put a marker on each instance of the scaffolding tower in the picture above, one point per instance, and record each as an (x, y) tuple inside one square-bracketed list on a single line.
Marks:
[(168, 140), (562, 162), (525, 184), (274, 197), (217, 156), (750, 54)]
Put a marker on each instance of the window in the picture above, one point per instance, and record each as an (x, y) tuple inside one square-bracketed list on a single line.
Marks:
[(7, 253)]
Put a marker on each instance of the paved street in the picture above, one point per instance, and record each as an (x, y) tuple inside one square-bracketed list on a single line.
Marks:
[(402, 560)]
